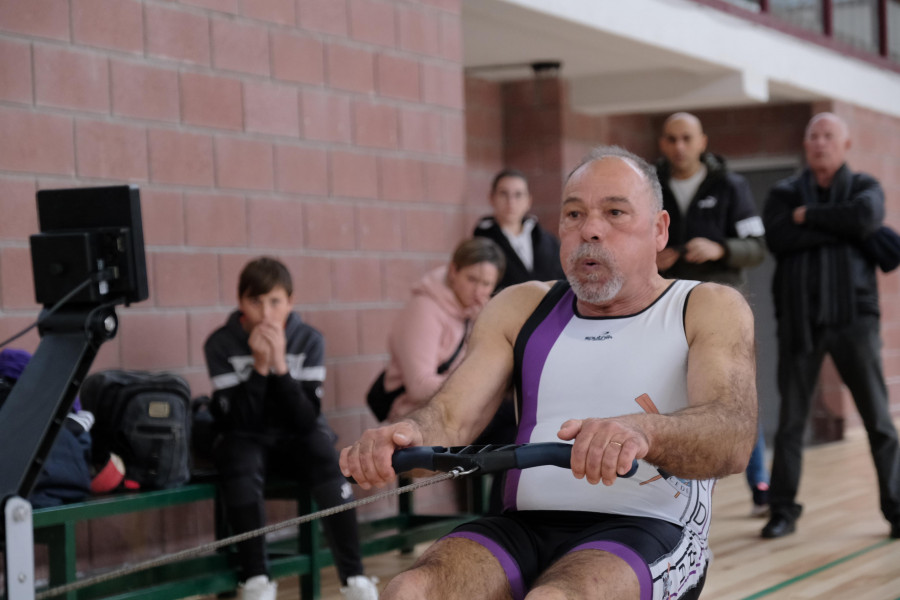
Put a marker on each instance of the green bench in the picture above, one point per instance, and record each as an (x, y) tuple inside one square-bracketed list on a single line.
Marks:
[(303, 554)]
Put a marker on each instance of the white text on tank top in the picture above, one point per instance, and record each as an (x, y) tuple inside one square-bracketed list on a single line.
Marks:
[(597, 368)]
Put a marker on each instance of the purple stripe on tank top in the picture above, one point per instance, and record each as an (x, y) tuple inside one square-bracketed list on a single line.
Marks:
[(634, 560), (513, 574), (536, 350)]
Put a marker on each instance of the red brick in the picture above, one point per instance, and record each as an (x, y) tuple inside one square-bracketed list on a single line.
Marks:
[(442, 85), (339, 328), (200, 325), (420, 131), (215, 220), (399, 276), (185, 279), (419, 30), (326, 116), (31, 152), (354, 175), (242, 47), (398, 77), (283, 12), (144, 92), (428, 231), (297, 58), (379, 228), (110, 150), (200, 385), (10, 325), (444, 183), (179, 157), (153, 340), (275, 223), (326, 16), (351, 69), (244, 164), (211, 101), (70, 79), (329, 226), (312, 278), (271, 109), (15, 72), (301, 170), (372, 21), (230, 267), (49, 18), (351, 385), (17, 205), (402, 179), (450, 28), (177, 34), (374, 329), (16, 279), (375, 125), (162, 213), (109, 356), (454, 130), (356, 279), (110, 24)]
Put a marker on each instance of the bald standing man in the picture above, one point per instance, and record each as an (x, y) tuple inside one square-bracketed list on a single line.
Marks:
[(715, 231), (826, 301)]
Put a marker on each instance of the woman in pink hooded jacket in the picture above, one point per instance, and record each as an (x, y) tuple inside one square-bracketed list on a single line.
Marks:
[(436, 321)]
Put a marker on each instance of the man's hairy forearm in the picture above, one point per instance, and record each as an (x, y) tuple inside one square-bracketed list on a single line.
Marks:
[(701, 442)]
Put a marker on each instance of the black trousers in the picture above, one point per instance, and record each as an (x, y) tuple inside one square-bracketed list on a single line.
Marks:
[(243, 461), (856, 352)]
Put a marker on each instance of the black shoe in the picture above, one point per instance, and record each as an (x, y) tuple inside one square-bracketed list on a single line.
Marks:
[(779, 526), (895, 530)]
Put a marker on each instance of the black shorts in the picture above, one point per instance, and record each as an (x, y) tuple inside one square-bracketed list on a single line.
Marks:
[(669, 561)]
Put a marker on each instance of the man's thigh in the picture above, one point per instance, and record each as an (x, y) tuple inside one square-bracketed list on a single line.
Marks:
[(452, 569)]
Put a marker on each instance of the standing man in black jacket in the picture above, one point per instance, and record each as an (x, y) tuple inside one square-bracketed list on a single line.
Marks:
[(531, 251), (714, 234), (826, 300)]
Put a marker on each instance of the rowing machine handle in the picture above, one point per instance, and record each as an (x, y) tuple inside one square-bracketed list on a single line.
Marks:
[(488, 459)]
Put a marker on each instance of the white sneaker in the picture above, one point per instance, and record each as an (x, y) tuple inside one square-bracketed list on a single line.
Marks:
[(257, 588), (360, 587)]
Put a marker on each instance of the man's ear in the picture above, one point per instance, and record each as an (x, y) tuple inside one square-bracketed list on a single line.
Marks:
[(662, 229)]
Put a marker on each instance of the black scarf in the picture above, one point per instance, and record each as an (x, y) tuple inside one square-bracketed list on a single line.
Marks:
[(817, 285)]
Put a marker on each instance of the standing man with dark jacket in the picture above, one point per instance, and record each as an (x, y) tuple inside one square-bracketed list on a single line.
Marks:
[(826, 301), (532, 252), (714, 233)]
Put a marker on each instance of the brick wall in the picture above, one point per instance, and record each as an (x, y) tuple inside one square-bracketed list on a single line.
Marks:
[(329, 133)]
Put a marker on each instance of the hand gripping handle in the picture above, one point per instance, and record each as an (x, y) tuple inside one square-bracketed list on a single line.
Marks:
[(487, 459)]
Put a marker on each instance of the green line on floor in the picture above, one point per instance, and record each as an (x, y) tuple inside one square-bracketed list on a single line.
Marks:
[(818, 570)]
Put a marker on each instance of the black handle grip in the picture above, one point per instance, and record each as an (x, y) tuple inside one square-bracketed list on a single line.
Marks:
[(488, 459)]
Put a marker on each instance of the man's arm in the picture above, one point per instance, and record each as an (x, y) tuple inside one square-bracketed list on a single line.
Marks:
[(236, 404), (852, 220), (714, 436), (783, 235), (468, 399)]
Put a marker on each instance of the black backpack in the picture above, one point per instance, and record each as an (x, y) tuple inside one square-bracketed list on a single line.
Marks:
[(145, 418)]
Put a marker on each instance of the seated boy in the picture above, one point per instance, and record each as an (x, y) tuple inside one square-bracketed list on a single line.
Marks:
[(266, 367)]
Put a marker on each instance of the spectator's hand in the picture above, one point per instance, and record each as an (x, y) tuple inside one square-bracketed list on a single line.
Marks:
[(799, 215), (274, 336), (261, 349), (666, 258), (368, 461), (603, 448), (701, 250)]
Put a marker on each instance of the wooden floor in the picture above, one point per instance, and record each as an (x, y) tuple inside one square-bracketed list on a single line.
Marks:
[(840, 550)]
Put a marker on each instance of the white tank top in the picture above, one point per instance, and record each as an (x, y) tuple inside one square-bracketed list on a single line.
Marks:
[(568, 366)]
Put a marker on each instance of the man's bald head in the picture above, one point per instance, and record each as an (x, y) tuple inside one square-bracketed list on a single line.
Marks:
[(683, 142)]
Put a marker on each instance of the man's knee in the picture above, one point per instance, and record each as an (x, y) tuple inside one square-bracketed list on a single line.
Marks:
[(409, 585)]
